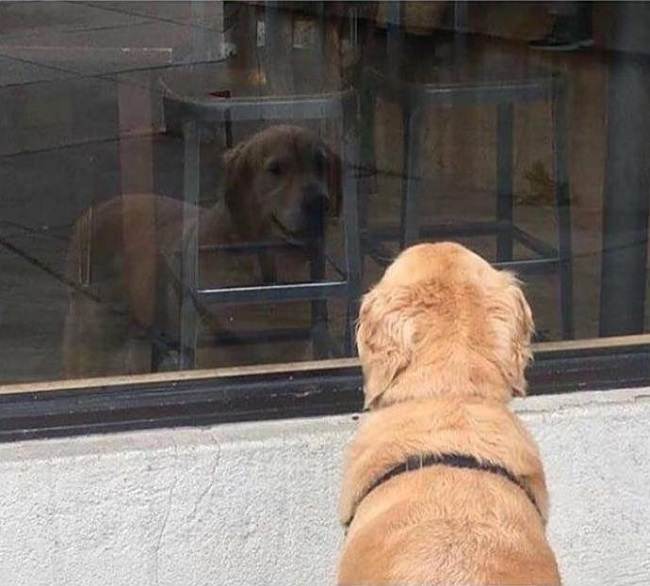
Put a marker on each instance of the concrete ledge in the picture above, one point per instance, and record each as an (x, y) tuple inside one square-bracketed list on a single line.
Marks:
[(255, 503)]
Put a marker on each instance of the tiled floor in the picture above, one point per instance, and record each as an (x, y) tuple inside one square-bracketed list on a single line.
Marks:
[(79, 87)]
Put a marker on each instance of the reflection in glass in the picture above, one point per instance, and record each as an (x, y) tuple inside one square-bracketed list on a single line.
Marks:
[(191, 185)]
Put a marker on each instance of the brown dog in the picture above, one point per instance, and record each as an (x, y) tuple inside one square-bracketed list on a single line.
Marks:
[(442, 483), (279, 185)]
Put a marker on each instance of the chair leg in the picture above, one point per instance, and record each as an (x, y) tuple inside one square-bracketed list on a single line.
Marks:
[(160, 325), (367, 168), (410, 219), (563, 203), (319, 317), (505, 153), (190, 247), (350, 155)]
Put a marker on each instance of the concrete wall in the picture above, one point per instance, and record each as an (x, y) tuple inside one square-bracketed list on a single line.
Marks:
[(255, 503)]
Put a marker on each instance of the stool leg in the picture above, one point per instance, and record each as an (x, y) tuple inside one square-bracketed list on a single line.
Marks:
[(350, 156), (368, 166), (190, 247), (410, 220), (319, 317), (160, 325), (563, 203), (505, 154)]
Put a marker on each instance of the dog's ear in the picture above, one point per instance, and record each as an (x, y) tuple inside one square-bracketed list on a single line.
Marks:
[(235, 164), (386, 337), (238, 173), (334, 181), (522, 334)]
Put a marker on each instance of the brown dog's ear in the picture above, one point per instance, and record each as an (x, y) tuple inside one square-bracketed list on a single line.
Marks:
[(334, 181), (523, 331), (237, 176), (386, 337)]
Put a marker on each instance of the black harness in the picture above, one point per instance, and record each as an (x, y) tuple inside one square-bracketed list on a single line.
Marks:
[(454, 461)]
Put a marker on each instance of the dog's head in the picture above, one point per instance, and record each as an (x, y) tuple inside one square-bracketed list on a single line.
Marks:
[(442, 321), (282, 182)]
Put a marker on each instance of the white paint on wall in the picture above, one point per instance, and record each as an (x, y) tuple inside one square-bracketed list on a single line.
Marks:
[(255, 503)]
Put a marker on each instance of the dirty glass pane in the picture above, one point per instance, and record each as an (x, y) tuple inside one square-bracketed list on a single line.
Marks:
[(208, 184)]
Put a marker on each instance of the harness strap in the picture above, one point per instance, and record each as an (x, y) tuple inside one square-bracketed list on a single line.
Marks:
[(420, 461)]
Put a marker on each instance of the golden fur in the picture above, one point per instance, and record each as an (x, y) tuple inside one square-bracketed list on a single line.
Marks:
[(278, 184), (444, 340)]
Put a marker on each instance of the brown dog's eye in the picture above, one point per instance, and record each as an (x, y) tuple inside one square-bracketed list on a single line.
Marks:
[(274, 168)]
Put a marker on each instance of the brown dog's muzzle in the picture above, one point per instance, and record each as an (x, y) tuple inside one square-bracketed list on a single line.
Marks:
[(314, 209), (305, 221)]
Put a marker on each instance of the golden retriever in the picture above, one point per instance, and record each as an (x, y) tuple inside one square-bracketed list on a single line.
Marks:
[(442, 483), (279, 185)]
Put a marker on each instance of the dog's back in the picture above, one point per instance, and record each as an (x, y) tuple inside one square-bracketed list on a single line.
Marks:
[(443, 484), (445, 525), (112, 267)]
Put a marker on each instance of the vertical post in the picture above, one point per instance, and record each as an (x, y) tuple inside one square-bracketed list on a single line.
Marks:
[(505, 153), (244, 38), (321, 45), (190, 246), (278, 27), (136, 176), (627, 198), (394, 36), (563, 205), (410, 219), (349, 165), (319, 316), (207, 42), (461, 22)]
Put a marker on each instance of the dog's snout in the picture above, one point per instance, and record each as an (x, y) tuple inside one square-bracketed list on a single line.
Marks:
[(314, 199)]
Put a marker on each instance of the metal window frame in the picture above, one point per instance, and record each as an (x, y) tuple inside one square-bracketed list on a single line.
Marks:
[(329, 387)]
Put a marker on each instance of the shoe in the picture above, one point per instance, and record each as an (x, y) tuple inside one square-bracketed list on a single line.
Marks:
[(561, 42)]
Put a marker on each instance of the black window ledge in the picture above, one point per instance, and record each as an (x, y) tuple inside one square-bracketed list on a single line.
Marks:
[(287, 391)]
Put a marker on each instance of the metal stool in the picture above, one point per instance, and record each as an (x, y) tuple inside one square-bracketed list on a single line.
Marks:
[(503, 94), (197, 112)]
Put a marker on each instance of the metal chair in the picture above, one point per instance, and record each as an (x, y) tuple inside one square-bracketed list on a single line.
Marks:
[(197, 112), (502, 94)]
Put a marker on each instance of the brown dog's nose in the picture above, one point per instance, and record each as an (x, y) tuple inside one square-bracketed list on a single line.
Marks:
[(315, 204), (314, 200)]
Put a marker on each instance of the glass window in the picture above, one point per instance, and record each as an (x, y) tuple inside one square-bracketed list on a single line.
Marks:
[(192, 185)]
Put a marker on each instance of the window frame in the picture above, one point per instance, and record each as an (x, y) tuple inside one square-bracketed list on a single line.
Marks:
[(283, 391)]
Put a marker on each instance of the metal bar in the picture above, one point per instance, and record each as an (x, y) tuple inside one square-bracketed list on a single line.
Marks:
[(563, 206), (256, 337), (536, 265), (379, 253), (529, 90), (485, 94), (410, 213), (394, 34), (273, 336), (189, 265), (367, 155), (319, 317), (626, 201), (275, 293), (505, 154), (260, 108), (350, 149), (533, 243), (385, 231), (278, 45), (460, 30), (247, 247), (161, 313)]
